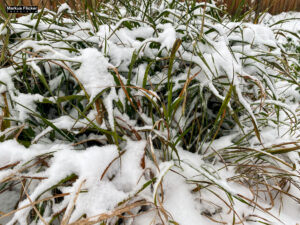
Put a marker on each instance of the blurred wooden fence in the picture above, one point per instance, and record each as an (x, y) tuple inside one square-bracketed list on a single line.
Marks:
[(271, 6)]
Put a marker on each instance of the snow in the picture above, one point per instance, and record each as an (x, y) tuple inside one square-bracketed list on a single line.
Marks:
[(180, 202), (88, 165), (130, 173), (145, 163), (18, 153), (168, 37), (93, 72), (63, 7), (25, 104), (5, 77)]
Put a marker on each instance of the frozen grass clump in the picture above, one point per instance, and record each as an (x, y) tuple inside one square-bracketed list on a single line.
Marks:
[(155, 112)]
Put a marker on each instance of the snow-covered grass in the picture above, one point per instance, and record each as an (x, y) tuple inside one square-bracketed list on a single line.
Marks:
[(153, 112)]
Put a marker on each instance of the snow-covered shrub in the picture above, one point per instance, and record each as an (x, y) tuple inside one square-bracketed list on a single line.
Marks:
[(158, 111)]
